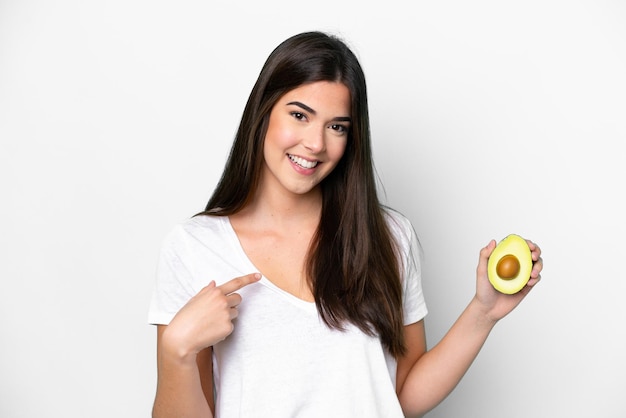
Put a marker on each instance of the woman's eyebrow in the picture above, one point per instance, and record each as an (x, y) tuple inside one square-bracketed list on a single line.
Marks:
[(310, 110), (303, 106)]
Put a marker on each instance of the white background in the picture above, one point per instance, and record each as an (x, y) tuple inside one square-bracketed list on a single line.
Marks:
[(488, 118)]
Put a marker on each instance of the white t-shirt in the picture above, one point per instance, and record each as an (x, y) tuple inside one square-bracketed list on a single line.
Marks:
[(281, 359)]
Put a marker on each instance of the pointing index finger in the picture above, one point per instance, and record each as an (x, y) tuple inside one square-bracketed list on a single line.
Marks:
[(239, 282)]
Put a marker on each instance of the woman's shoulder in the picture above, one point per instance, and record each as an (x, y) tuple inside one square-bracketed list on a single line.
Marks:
[(397, 221), (203, 222), (196, 228), (401, 228)]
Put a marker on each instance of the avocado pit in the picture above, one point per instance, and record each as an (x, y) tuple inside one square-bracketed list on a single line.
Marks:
[(508, 267)]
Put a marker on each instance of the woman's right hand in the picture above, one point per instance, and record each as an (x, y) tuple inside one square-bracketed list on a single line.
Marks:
[(206, 319)]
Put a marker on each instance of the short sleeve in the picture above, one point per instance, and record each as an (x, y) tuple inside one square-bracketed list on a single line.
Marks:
[(173, 287), (412, 256)]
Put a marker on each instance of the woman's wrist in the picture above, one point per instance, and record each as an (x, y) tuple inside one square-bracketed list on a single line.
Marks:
[(482, 314), (174, 348)]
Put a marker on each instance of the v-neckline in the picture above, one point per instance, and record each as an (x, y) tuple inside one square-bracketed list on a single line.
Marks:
[(310, 306)]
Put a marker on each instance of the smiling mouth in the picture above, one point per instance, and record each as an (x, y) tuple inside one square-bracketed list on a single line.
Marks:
[(302, 162)]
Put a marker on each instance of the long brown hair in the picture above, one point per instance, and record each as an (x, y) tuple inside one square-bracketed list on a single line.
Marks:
[(353, 264)]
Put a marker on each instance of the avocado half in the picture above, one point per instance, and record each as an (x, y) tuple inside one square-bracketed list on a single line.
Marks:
[(510, 264)]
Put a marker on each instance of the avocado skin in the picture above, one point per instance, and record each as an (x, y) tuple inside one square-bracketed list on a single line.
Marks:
[(517, 246)]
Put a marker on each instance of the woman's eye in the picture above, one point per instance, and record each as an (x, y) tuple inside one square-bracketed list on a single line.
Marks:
[(339, 128), (298, 115)]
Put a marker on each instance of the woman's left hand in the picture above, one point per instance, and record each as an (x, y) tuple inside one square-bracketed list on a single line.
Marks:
[(497, 305)]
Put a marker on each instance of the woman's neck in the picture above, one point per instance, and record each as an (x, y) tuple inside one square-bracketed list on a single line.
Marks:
[(281, 207)]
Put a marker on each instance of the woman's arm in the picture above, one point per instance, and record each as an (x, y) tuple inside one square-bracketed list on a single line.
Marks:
[(185, 383), (431, 378), (184, 386)]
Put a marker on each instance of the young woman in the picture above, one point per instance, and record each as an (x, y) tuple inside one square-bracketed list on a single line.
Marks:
[(296, 293)]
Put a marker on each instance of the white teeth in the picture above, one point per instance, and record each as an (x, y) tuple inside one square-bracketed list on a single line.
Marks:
[(302, 162)]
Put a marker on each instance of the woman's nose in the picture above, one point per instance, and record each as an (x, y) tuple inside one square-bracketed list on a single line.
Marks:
[(315, 140)]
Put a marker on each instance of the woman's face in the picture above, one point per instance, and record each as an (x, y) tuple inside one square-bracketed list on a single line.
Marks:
[(306, 136)]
